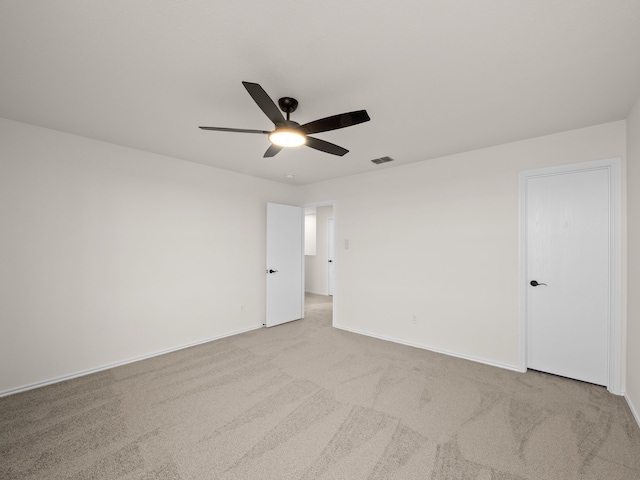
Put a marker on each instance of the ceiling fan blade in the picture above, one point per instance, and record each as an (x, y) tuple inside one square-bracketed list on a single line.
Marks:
[(265, 103), (325, 146), (336, 121), (239, 130), (272, 151)]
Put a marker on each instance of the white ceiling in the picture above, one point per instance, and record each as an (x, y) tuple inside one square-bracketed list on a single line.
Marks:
[(436, 76)]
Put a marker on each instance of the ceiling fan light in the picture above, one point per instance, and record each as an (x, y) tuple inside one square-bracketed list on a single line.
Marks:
[(287, 137)]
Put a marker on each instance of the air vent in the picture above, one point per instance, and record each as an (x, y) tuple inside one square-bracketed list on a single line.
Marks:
[(378, 161)]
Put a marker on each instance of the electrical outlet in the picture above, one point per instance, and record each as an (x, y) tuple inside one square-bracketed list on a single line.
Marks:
[(414, 319), (241, 308)]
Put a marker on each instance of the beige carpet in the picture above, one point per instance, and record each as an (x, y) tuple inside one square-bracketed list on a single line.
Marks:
[(306, 401)]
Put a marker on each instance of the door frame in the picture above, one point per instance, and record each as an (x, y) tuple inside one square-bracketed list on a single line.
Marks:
[(326, 203), (614, 320)]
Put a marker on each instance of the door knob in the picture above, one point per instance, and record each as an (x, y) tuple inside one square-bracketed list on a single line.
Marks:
[(271, 271), (534, 283), (330, 261)]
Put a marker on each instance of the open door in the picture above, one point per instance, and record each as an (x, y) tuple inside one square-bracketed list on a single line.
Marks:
[(285, 274)]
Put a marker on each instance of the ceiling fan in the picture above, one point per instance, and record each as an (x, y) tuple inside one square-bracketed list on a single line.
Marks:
[(288, 133)]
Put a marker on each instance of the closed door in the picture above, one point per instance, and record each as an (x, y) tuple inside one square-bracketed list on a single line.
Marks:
[(567, 273), (285, 274)]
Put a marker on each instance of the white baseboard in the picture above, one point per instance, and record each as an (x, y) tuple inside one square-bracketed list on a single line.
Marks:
[(633, 409), (317, 293), (118, 364), (515, 368)]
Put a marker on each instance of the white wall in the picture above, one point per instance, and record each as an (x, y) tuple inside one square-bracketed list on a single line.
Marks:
[(633, 198), (316, 266), (439, 240), (109, 253), (310, 231)]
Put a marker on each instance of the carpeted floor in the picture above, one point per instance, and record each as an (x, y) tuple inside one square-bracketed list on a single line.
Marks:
[(306, 401)]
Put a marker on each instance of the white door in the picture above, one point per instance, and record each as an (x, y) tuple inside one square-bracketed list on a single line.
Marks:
[(285, 274), (568, 223), (330, 255)]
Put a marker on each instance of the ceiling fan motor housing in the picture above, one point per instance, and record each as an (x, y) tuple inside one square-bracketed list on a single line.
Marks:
[(288, 105)]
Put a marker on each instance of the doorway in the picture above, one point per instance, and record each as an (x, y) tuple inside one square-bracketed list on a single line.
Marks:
[(330, 256), (320, 266), (570, 264)]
